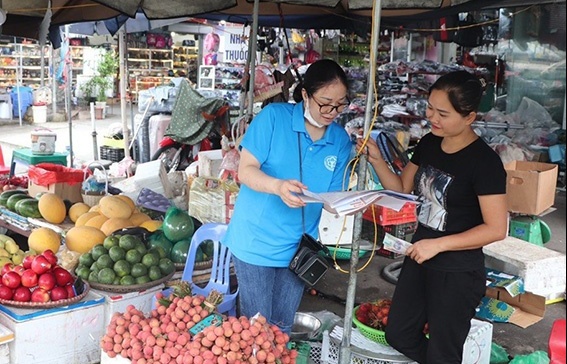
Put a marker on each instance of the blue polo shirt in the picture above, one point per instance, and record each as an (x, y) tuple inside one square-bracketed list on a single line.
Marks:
[(263, 230)]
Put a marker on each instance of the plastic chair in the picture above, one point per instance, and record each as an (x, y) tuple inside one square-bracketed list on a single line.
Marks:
[(220, 271), (3, 168)]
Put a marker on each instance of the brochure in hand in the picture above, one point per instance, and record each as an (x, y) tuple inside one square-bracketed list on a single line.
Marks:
[(349, 202)]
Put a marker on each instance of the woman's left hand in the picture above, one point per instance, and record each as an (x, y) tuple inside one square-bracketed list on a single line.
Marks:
[(423, 250)]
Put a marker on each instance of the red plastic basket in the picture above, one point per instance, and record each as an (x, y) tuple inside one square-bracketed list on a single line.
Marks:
[(386, 216)]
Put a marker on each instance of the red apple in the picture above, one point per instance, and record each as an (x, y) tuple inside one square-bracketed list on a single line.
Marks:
[(11, 280), (40, 295), (29, 278), (6, 293), (62, 276), (22, 294), (40, 264), (19, 269), (46, 281), (6, 268), (58, 293), (50, 256), (70, 291), (26, 263)]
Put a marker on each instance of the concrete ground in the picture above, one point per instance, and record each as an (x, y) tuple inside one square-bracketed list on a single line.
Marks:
[(331, 291)]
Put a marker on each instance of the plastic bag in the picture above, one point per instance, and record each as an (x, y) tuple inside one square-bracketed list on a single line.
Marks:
[(537, 357), (498, 355), (45, 174)]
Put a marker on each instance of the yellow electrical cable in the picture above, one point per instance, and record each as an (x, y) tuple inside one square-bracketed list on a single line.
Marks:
[(354, 163)]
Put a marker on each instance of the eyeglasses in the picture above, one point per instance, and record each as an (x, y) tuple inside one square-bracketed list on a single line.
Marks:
[(328, 109)]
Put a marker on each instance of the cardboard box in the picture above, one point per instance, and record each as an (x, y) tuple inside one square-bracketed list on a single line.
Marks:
[(66, 334), (209, 163), (542, 270), (522, 310), (530, 186), (118, 302), (63, 190), (506, 301)]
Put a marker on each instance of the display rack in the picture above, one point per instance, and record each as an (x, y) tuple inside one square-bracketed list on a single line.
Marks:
[(20, 64)]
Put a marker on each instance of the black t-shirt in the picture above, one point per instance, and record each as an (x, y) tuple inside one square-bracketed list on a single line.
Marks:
[(449, 186)]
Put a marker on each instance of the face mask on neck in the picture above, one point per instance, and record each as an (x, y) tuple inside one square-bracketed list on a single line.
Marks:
[(309, 117)]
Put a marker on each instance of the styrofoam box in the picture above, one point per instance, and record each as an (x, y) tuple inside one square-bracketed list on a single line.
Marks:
[(478, 344), (330, 228), (209, 163), (542, 269), (105, 359), (57, 335), (117, 302)]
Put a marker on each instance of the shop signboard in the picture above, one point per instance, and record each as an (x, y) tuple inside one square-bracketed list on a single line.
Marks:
[(234, 44)]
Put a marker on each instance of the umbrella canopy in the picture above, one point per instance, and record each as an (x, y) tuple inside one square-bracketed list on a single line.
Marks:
[(133, 25), (24, 17)]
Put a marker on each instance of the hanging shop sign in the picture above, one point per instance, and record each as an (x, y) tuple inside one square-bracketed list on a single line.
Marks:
[(234, 44)]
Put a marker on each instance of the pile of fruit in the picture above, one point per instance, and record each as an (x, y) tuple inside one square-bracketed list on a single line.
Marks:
[(123, 260), (37, 279), (8, 183), (10, 252), (164, 336), (374, 314)]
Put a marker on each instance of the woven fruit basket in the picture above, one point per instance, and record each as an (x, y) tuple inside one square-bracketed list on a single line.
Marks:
[(46, 305), (371, 333), (344, 253)]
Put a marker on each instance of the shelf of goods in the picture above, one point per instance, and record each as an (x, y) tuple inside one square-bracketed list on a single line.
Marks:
[(228, 82), (76, 53), (185, 58), (139, 83), (21, 63)]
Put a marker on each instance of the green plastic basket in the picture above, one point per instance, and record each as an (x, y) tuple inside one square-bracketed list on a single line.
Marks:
[(373, 334), (344, 253)]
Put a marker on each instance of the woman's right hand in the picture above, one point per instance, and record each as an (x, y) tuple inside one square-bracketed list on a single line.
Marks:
[(288, 191), (370, 149)]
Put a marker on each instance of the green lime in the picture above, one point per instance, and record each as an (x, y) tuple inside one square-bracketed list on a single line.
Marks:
[(95, 268), (128, 242), (122, 268), (150, 259), (93, 277), (127, 280), (154, 273), (159, 251), (97, 251), (143, 280), (141, 248), (104, 261), (117, 253), (166, 266), (86, 259), (83, 272), (138, 270), (116, 281), (110, 241), (133, 256), (106, 276)]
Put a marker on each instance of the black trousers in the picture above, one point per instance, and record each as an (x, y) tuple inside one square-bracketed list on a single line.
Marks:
[(445, 300)]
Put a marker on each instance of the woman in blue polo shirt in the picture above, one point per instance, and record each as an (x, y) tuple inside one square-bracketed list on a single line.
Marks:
[(267, 222)]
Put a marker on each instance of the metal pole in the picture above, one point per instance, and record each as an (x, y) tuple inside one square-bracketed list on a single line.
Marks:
[(252, 57), (19, 81), (122, 60), (93, 123), (345, 349), (54, 84), (68, 94)]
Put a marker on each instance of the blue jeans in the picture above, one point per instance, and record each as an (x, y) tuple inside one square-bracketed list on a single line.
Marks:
[(275, 293)]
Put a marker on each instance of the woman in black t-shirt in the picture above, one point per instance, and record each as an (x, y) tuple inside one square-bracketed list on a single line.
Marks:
[(462, 185)]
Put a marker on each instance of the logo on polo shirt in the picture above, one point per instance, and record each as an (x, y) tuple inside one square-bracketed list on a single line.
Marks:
[(331, 162)]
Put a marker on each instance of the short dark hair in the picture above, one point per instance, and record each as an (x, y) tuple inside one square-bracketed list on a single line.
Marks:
[(463, 89), (318, 75)]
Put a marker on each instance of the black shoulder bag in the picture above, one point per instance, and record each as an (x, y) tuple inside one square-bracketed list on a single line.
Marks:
[(307, 261)]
